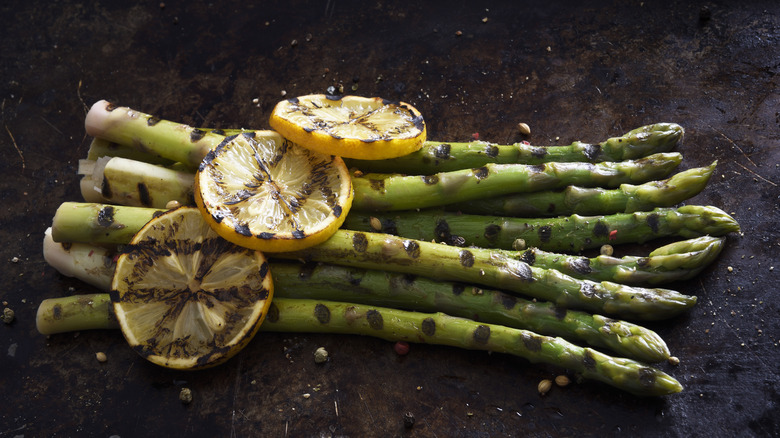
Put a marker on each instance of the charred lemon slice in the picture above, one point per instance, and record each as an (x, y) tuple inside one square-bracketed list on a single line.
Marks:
[(350, 126), (184, 297), (263, 192)]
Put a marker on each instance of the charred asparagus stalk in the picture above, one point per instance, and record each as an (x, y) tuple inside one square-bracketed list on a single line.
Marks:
[(129, 182), (380, 288), (178, 142), (592, 201), (313, 316), (437, 157), (390, 192), (97, 223), (564, 234)]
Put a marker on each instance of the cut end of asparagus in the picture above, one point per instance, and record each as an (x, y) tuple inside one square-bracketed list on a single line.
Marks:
[(97, 116), (75, 313)]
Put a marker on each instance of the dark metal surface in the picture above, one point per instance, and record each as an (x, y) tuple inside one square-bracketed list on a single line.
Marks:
[(571, 71)]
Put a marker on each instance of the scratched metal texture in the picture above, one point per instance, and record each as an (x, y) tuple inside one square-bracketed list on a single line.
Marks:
[(570, 70)]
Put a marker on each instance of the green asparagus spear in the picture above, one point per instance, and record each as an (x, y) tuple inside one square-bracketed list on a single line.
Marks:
[(129, 182), (436, 157), (162, 138), (692, 256), (592, 201), (487, 268), (99, 223), (100, 147), (385, 192), (313, 316), (681, 261), (493, 269), (564, 234), (178, 142)]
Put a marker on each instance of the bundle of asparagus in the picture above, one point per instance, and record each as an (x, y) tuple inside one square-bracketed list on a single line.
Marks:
[(485, 282)]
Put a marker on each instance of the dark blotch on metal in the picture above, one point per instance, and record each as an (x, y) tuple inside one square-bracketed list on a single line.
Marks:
[(587, 360), (531, 342), (482, 334), (492, 232), (491, 151), (359, 242), (105, 217), (466, 258), (458, 289), (481, 173), (152, 120), (322, 313), (412, 248), (442, 151), (197, 135), (545, 233), (600, 230), (591, 151), (375, 320), (652, 222), (143, 195), (581, 265), (528, 256), (430, 179), (429, 326)]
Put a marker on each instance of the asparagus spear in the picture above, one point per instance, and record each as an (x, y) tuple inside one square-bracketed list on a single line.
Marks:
[(593, 201), (488, 268), (564, 234), (380, 288), (493, 269), (385, 192), (129, 182), (149, 134), (682, 261), (436, 157), (179, 142), (287, 315)]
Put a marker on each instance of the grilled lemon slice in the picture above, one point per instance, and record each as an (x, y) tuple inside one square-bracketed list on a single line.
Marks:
[(184, 297), (260, 191), (350, 126)]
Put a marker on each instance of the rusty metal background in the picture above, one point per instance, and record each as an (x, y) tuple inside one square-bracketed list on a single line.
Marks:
[(571, 70)]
